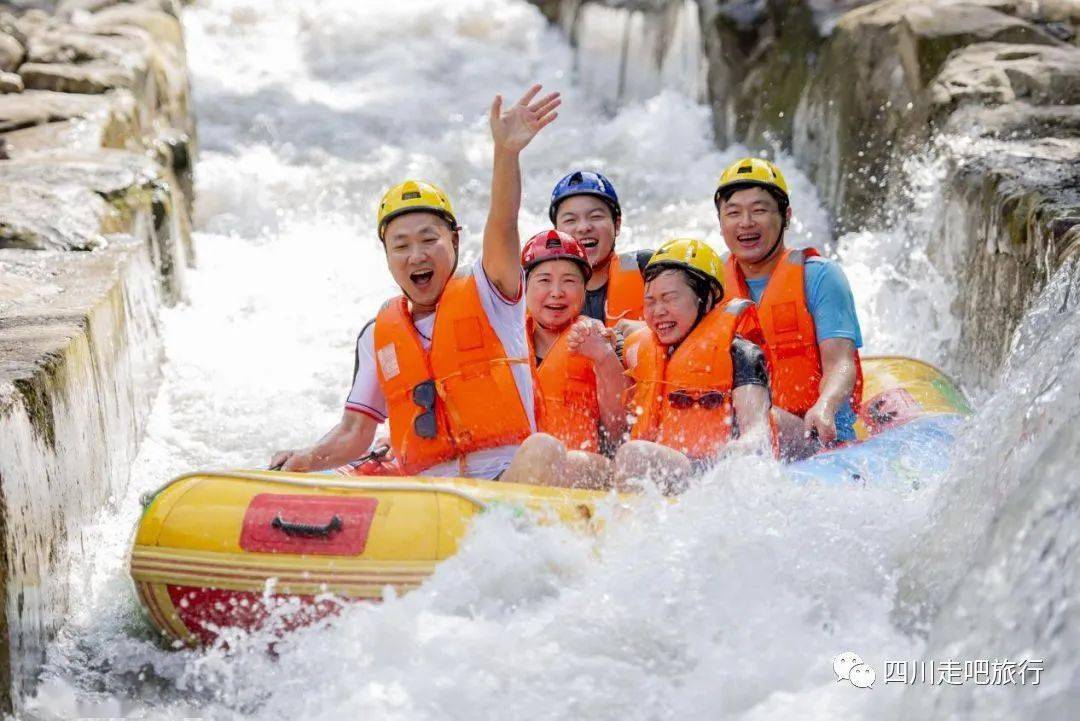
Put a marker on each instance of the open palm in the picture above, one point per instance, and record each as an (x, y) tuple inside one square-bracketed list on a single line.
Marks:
[(514, 127)]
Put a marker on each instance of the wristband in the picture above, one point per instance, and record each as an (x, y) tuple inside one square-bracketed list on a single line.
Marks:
[(620, 341)]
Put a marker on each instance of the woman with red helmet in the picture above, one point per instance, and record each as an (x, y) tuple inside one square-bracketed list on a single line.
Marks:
[(578, 377)]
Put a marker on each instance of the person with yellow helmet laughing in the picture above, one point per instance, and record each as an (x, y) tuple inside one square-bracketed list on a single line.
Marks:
[(446, 362), (805, 304), (700, 381)]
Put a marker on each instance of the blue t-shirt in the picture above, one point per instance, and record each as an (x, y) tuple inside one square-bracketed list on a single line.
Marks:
[(831, 304)]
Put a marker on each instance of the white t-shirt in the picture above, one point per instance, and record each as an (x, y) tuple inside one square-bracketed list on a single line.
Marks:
[(507, 319)]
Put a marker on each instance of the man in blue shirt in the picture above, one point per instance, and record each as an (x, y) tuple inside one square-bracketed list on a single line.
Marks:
[(806, 306)]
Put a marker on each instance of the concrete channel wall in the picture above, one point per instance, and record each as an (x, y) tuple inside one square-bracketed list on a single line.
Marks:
[(855, 89), (97, 142)]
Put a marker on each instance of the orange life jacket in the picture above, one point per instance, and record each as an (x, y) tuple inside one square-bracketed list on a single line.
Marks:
[(701, 363), (477, 404), (625, 289), (790, 338), (565, 389)]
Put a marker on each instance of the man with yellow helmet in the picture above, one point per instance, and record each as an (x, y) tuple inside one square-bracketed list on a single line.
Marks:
[(700, 380), (446, 362), (805, 304)]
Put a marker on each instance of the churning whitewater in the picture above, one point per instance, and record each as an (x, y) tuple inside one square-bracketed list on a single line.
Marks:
[(731, 603)]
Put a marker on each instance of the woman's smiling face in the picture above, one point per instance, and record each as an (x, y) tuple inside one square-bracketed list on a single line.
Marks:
[(555, 293), (671, 306)]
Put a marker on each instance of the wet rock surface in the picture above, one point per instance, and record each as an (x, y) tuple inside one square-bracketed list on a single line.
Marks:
[(96, 153), (11, 83), (11, 52), (34, 108), (29, 218), (869, 102), (79, 357), (93, 77)]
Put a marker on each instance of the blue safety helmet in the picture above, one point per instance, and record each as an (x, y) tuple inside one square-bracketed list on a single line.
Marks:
[(582, 182)]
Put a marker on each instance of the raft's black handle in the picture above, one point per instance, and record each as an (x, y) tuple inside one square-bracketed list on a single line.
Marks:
[(307, 530)]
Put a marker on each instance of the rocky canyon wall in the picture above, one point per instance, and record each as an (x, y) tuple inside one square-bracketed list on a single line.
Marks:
[(97, 142)]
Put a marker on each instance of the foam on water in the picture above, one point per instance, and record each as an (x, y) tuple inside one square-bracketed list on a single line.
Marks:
[(903, 288), (730, 603)]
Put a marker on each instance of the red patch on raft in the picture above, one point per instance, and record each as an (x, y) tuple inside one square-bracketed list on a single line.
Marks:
[(312, 525)]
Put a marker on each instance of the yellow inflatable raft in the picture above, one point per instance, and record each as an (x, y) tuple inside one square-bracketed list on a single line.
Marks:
[(240, 549), (222, 549)]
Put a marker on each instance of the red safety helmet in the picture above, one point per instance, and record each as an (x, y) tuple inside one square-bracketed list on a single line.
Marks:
[(554, 245)]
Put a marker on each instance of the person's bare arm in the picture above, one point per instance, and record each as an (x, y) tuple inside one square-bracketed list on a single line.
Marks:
[(346, 441), (751, 404), (588, 338), (837, 383), (511, 131), (612, 385)]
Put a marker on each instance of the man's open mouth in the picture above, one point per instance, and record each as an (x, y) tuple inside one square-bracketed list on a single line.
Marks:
[(665, 326), (748, 238), (422, 278), (589, 242)]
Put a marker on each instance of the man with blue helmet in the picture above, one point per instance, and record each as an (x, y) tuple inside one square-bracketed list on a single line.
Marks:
[(585, 205)]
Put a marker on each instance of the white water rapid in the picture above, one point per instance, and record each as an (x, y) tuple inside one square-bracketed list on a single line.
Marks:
[(729, 604)]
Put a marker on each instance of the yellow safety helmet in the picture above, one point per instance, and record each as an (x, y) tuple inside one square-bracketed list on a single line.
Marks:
[(693, 255), (749, 172), (412, 196)]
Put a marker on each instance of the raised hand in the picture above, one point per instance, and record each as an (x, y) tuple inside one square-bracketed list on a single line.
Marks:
[(513, 128)]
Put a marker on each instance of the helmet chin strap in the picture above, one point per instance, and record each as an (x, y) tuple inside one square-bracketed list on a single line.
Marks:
[(606, 261), (611, 253), (776, 245), (705, 305)]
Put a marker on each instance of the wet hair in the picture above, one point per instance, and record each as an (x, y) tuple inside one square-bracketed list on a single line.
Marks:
[(706, 289)]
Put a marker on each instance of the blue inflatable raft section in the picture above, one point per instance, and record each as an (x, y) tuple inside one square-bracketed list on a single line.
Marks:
[(914, 453)]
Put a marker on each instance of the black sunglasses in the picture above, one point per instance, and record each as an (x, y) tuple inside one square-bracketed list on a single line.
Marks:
[(424, 395), (709, 400)]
